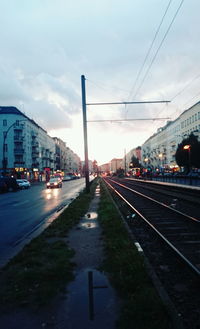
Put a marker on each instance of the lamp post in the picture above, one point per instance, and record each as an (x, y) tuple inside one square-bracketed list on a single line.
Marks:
[(161, 164), (188, 148), (146, 160), (4, 161)]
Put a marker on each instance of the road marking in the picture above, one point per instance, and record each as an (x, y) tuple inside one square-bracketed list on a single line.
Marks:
[(20, 203)]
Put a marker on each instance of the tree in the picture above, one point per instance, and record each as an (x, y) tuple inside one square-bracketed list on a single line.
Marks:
[(188, 157), (134, 162), (120, 172), (95, 166)]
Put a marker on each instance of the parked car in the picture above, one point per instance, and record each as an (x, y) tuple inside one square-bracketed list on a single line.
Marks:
[(54, 182), (66, 178), (3, 186), (23, 183), (9, 184)]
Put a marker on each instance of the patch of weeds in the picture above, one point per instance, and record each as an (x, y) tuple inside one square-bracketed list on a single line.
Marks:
[(141, 307), (43, 268)]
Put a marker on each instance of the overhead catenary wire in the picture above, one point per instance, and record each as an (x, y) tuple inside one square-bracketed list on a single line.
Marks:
[(159, 47), (149, 50), (180, 92), (121, 120)]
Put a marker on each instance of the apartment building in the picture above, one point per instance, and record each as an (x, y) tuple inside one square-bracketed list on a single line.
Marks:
[(26, 149), (105, 168), (158, 151), (115, 164), (126, 161)]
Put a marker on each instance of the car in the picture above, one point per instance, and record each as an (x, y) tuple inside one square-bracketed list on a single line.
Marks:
[(66, 178), (3, 186), (54, 182), (23, 183), (9, 184)]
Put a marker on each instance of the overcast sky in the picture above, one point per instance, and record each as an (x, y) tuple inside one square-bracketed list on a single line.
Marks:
[(46, 45)]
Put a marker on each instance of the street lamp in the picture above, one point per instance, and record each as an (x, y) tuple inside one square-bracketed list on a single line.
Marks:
[(188, 147), (161, 157), (146, 161), (4, 161)]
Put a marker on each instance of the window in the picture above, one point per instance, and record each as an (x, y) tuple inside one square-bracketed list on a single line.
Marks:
[(17, 123), (196, 117), (4, 123), (6, 147)]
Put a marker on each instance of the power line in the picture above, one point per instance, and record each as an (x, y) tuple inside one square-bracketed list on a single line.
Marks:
[(180, 92), (125, 103), (149, 50), (120, 120), (187, 85), (163, 39)]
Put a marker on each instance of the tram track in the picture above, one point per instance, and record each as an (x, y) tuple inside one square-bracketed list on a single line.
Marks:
[(181, 198), (169, 237)]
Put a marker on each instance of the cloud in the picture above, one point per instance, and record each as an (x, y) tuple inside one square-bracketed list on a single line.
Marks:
[(46, 46)]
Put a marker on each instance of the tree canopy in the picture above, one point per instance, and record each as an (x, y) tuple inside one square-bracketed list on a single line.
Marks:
[(188, 157), (134, 162)]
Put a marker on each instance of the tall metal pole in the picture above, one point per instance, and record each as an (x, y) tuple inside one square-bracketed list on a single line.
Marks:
[(125, 162), (85, 133)]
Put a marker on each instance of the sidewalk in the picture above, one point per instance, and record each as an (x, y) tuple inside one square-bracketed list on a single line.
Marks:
[(89, 301)]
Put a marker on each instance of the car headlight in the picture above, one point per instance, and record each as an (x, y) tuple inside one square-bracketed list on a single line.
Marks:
[(55, 183), (48, 184)]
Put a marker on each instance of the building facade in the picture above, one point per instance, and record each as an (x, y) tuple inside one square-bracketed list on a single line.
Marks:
[(115, 164), (26, 150), (158, 152), (126, 161)]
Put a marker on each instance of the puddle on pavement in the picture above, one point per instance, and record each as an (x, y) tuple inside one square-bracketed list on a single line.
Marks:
[(89, 220), (94, 307), (88, 225), (91, 215)]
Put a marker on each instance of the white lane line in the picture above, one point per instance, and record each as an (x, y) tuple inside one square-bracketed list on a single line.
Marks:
[(20, 203)]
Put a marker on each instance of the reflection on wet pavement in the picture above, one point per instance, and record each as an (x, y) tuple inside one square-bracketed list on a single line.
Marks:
[(84, 312), (89, 221)]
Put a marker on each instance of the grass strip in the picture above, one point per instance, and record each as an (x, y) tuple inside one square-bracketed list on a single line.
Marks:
[(141, 308), (43, 267)]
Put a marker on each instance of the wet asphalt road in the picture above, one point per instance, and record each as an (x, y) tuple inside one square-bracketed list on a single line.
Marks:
[(22, 212)]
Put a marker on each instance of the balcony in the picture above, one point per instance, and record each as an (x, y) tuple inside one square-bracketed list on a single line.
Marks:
[(18, 151), (34, 134), (34, 143), (35, 152), (19, 163), (35, 164), (18, 138), (19, 127)]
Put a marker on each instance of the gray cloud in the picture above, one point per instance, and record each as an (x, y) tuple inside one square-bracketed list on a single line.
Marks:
[(47, 45)]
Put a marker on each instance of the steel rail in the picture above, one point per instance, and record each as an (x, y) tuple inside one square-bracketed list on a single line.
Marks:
[(192, 266), (158, 202)]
